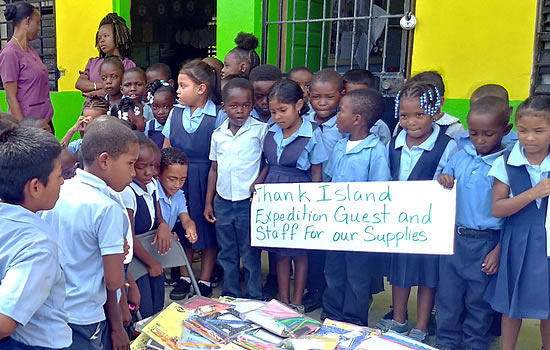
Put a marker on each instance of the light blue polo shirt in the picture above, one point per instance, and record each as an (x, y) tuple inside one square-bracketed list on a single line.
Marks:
[(367, 161), (74, 146), (313, 153), (191, 122), (91, 223), (473, 188), (172, 207), (32, 286), (330, 135), (410, 156), (381, 129)]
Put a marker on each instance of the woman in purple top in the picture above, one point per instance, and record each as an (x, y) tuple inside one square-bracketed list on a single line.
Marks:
[(24, 75), (112, 38)]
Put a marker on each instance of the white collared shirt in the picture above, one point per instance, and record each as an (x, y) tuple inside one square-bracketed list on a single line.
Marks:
[(130, 200)]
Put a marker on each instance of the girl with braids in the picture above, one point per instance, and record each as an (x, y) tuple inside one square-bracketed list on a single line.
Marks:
[(131, 112), (112, 38), (243, 58), (419, 152), (161, 97), (111, 71), (190, 129)]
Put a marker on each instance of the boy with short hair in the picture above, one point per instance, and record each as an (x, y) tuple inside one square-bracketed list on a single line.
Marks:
[(91, 224), (32, 284), (353, 277), (463, 316), (263, 77), (303, 75), (159, 71), (236, 153)]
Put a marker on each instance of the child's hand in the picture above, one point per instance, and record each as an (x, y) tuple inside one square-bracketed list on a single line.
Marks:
[(542, 189), (490, 264), (155, 269), (126, 314), (134, 296), (164, 239), (209, 213), (126, 247), (119, 339), (191, 234), (252, 190), (446, 180), (81, 124)]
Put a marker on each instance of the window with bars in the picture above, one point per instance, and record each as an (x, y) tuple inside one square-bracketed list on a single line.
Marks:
[(541, 70), (45, 44), (338, 34)]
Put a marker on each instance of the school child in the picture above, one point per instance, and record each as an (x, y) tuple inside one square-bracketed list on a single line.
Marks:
[(131, 112), (236, 153), (418, 152), (91, 227), (93, 108), (353, 277), (110, 72), (214, 63), (293, 150), (190, 129), (35, 122), (521, 288), (32, 284), (463, 317), (159, 71), (162, 99), (243, 58), (362, 79), (141, 201), (303, 75), (134, 86), (263, 78)]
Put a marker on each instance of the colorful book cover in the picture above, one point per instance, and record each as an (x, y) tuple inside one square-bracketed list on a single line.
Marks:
[(167, 327), (258, 339), (194, 341), (242, 306), (221, 326), (202, 306), (393, 341), (310, 342), (140, 343), (349, 336)]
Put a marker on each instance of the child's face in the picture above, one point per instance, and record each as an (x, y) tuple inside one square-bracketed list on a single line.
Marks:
[(68, 164), (303, 78), (231, 65), (414, 120), (324, 97), (345, 119), (93, 113), (286, 115), (106, 39), (50, 192), (120, 171), (238, 106), (133, 86), (163, 103), (261, 91), (145, 165), (111, 76), (349, 87), (188, 90), (172, 178), (486, 132), (533, 133), (135, 117), (153, 75)]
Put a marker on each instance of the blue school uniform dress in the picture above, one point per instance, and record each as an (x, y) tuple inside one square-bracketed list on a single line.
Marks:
[(462, 314), (290, 159), (143, 204), (521, 288), (192, 135), (153, 130), (32, 283), (422, 162), (352, 277), (90, 223)]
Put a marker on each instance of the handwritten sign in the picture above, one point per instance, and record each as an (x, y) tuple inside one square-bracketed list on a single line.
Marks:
[(399, 217)]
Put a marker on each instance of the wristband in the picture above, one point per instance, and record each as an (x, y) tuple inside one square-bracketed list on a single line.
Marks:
[(95, 87)]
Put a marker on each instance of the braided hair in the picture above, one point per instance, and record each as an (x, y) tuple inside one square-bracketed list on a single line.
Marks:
[(246, 49), (121, 111), (429, 95), (158, 86), (536, 105), (97, 102), (121, 35)]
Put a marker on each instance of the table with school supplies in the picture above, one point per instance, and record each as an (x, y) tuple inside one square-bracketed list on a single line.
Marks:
[(231, 323)]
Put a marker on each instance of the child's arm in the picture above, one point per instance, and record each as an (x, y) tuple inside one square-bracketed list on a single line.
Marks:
[(134, 296), (446, 180), (153, 266), (490, 264), (261, 178), (210, 193), (504, 206), (163, 235), (119, 337), (166, 143), (124, 309), (189, 227), (79, 126), (7, 326), (316, 172)]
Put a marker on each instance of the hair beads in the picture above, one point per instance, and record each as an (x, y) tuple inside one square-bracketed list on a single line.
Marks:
[(429, 96)]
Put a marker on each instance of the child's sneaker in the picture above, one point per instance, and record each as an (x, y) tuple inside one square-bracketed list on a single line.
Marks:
[(392, 325), (181, 290), (419, 335), (205, 290), (298, 308)]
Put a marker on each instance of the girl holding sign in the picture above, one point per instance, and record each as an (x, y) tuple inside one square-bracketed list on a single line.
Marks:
[(521, 289), (292, 147), (419, 152)]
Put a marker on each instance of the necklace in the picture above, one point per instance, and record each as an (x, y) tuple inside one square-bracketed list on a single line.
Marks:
[(18, 43)]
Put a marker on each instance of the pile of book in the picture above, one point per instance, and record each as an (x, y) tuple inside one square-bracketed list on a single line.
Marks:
[(229, 323)]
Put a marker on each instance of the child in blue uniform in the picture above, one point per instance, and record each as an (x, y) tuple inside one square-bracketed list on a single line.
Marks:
[(521, 289), (91, 225), (293, 149), (352, 277), (463, 317), (162, 99), (134, 86), (32, 284), (419, 152), (303, 75), (190, 129)]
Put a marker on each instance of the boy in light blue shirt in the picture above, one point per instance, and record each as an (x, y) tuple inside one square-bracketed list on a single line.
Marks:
[(32, 285), (91, 224), (353, 277)]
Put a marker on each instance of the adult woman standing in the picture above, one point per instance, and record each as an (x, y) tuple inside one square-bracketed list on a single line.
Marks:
[(24, 75), (112, 38)]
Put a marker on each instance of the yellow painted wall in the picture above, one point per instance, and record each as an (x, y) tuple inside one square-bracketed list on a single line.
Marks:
[(76, 26), (472, 42)]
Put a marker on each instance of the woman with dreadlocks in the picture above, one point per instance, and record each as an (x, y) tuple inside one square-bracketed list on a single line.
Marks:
[(113, 38)]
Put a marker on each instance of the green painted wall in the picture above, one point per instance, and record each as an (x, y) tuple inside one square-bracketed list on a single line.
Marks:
[(459, 108), (122, 8)]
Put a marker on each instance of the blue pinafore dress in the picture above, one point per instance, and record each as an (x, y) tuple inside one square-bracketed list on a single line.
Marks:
[(409, 270), (521, 288), (196, 146), (155, 135)]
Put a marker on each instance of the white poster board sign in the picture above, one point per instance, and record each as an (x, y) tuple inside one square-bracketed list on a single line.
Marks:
[(398, 216)]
